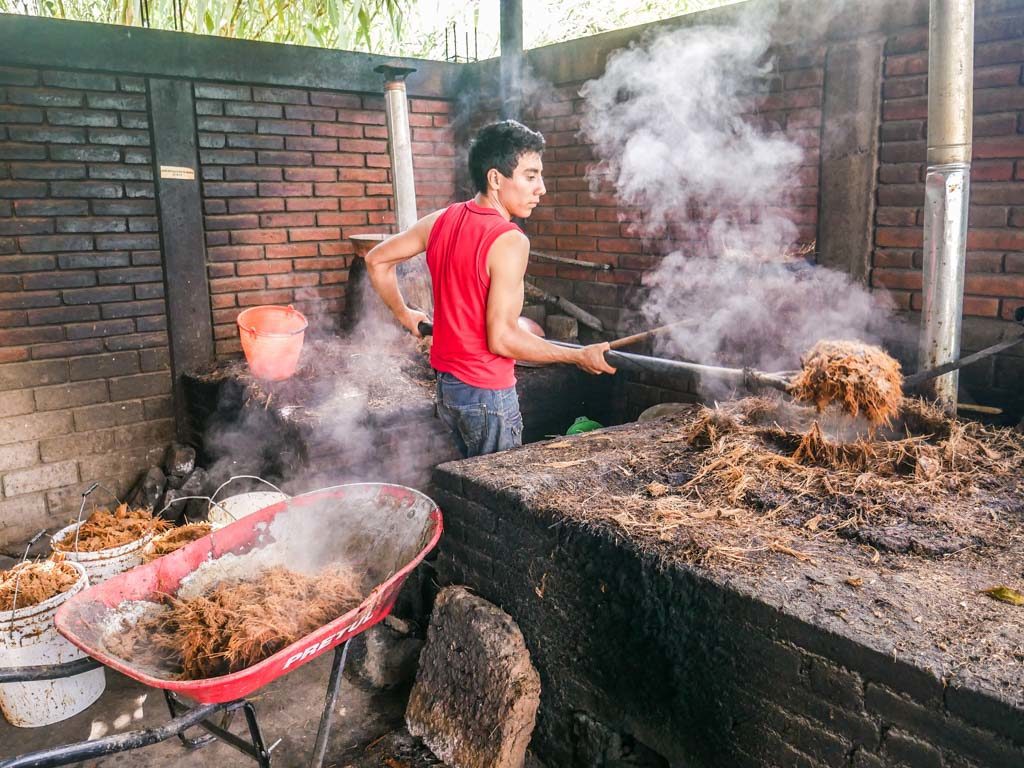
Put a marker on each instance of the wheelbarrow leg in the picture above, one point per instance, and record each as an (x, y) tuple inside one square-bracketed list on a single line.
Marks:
[(327, 716), (255, 748), (262, 754), (206, 738)]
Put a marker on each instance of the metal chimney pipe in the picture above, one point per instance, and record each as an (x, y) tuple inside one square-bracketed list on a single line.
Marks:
[(512, 60), (413, 275), (396, 110), (947, 187)]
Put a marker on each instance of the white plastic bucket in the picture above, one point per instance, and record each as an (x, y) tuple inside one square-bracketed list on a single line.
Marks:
[(28, 638), (103, 563), (236, 507)]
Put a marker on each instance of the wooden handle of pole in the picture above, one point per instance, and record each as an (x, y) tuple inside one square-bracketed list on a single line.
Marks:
[(636, 338)]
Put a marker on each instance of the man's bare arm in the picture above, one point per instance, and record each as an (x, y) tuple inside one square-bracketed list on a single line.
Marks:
[(382, 268), (506, 263)]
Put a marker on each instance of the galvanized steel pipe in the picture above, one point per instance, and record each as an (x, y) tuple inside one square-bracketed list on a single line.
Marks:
[(396, 109), (512, 60), (413, 275), (947, 187)]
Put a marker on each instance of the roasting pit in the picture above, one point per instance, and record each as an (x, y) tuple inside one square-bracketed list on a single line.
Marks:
[(781, 626)]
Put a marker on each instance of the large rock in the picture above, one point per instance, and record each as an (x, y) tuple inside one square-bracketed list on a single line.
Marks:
[(149, 490), (476, 694), (192, 509), (179, 461)]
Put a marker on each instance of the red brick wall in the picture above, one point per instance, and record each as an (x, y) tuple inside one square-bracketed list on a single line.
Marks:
[(84, 384), (572, 221), (289, 174), (995, 244)]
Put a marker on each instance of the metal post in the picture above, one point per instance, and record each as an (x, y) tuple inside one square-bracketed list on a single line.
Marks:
[(947, 187), (180, 209), (396, 109), (511, 59), (413, 275)]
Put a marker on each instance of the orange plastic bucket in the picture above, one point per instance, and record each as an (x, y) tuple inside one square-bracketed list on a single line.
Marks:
[(272, 340)]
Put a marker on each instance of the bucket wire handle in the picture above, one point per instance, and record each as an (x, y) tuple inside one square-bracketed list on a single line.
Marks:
[(172, 502), (189, 498), (246, 477), (81, 509), (21, 568)]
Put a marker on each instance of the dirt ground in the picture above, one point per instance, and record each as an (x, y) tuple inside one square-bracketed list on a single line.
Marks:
[(889, 539), (288, 709)]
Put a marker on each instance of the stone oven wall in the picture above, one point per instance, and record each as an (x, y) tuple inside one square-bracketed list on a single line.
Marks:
[(290, 157), (637, 657)]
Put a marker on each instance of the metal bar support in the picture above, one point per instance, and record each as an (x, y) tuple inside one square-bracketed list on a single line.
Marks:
[(330, 700), (254, 748)]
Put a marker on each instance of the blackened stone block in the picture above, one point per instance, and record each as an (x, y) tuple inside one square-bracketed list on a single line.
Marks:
[(476, 694), (178, 507), (179, 460), (149, 489), (384, 657)]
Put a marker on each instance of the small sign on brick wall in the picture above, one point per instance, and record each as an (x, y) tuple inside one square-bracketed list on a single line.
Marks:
[(177, 172)]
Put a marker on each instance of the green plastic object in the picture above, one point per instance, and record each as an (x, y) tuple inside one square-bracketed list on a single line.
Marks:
[(581, 425)]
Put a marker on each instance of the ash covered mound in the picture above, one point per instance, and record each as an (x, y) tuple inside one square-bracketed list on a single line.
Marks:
[(732, 484)]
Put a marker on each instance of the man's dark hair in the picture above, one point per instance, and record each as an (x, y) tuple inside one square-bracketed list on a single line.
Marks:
[(499, 146)]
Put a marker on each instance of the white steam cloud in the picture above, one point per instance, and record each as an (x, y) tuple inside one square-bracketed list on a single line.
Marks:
[(675, 129)]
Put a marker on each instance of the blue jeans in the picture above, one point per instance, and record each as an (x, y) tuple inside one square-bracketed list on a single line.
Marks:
[(482, 420)]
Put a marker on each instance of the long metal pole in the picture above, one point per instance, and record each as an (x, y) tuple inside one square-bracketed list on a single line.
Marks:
[(947, 187), (512, 60)]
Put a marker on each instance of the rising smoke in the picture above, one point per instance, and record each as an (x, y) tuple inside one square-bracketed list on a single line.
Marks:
[(675, 129), (358, 409)]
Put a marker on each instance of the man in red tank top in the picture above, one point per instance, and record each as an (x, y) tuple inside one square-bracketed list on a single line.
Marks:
[(477, 259)]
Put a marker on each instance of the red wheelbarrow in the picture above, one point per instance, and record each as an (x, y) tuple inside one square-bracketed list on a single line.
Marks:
[(380, 530)]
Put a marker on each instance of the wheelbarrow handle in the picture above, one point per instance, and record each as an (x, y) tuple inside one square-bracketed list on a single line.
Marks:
[(425, 328)]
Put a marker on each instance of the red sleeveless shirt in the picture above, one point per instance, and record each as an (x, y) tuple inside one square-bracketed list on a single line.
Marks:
[(457, 258)]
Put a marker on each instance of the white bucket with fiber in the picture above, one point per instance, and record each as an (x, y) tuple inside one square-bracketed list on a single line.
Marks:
[(236, 507), (103, 563), (28, 638), (241, 504)]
